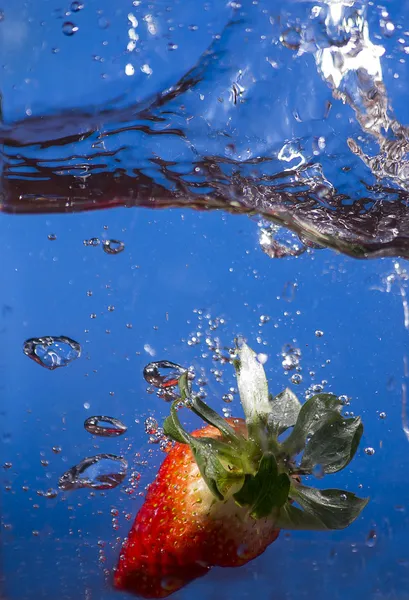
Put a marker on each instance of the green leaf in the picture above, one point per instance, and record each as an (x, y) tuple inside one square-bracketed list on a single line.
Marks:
[(173, 428), (284, 411), (318, 410), (184, 386), (264, 491), (253, 389), (202, 410), (208, 454), (210, 416), (335, 509), (291, 517), (227, 454), (333, 446), (218, 479)]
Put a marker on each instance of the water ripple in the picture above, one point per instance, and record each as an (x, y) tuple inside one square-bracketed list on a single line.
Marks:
[(286, 113)]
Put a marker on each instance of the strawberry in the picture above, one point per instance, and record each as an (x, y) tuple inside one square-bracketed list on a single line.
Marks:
[(182, 530), (223, 492)]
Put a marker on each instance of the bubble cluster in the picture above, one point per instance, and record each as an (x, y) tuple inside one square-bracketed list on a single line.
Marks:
[(290, 357)]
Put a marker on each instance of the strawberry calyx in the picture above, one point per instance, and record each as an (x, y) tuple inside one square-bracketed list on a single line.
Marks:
[(284, 440)]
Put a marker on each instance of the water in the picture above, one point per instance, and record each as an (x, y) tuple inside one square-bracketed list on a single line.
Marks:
[(45, 412), (284, 126), (330, 161), (279, 242)]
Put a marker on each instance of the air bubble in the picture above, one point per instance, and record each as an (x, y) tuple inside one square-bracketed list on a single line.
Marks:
[(164, 375), (262, 358), (151, 425), (345, 400), (69, 28), (388, 28), (50, 493), (100, 472), (291, 38), (104, 426), (103, 23), (113, 246), (92, 242), (291, 357), (371, 538), (317, 388), (52, 352), (76, 6)]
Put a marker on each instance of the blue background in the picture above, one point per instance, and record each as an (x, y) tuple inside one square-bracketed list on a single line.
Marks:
[(175, 263), (218, 268)]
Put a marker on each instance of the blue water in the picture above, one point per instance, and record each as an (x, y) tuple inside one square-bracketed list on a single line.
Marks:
[(156, 284), (186, 275)]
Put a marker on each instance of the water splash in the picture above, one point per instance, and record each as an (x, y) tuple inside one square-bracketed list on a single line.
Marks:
[(331, 162), (278, 242)]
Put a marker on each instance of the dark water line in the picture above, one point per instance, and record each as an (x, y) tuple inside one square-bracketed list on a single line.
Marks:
[(381, 230)]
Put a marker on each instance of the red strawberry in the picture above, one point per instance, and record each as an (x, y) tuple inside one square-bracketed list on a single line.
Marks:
[(223, 492), (182, 530)]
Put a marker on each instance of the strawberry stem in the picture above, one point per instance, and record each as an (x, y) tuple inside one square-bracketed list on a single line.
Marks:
[(253, 389), (259, 470), (203, 410)]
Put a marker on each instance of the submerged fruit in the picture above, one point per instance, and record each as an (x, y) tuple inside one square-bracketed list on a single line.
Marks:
[(223, 492)]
